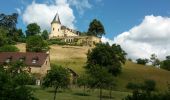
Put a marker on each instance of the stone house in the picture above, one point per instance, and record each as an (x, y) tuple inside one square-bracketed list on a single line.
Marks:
[(36, 63)]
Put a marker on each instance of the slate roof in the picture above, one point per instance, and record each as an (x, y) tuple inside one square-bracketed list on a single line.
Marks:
[(27, 57), (56, 19)]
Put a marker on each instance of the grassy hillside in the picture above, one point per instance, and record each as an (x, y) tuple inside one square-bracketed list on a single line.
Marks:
[(75, 57)]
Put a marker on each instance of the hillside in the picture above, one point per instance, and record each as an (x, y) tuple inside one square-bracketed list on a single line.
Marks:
[(75, 57)]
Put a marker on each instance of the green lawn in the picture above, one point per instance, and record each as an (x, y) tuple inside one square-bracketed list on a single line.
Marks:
[(74, 94)]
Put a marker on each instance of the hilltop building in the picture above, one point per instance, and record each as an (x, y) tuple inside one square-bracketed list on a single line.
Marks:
[(59, 31)]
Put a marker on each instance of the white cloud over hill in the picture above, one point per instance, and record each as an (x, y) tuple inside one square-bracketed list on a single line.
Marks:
[(151, 36), (43, 13)]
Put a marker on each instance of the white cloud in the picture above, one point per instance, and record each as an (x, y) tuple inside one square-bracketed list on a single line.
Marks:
[(151, 36), (80, 5), (44, 13)]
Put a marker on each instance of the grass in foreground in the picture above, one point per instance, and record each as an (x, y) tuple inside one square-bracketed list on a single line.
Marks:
[(76, 94)]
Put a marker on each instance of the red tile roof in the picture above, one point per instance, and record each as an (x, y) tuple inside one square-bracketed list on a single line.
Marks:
[(26, 56)]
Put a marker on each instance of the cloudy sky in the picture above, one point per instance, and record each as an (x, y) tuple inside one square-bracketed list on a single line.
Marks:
[(141, 27)]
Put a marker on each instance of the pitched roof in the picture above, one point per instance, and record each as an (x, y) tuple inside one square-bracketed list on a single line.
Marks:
[(27, 57), (56, 19)]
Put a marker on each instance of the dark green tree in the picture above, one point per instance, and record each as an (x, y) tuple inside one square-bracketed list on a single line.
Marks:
[(45, 35), (3, 36), (83, 80), (166, 63), (36, 44), (104, 55), (9, 22), (14, 86), (58, 78), (96, 28), (142, 61), (33, 29)]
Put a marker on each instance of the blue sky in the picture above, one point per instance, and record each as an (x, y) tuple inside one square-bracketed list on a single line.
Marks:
[(141, 27), (116, 15)]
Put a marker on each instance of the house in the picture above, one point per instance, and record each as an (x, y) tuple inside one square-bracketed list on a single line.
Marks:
[(70, 36), (37, 63)]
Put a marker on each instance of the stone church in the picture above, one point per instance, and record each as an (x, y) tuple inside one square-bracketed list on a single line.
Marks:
[(70, 36)]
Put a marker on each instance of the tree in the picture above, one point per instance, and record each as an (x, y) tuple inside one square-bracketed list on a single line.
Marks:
[(3, 36), (83, 80), (154, 60), (45, 35), (96, 28), (36, 44), (9, 48), (33, 29), (58, 77), (142, 61), (9, 22), (104, 55), (166, 63), (13, 86)]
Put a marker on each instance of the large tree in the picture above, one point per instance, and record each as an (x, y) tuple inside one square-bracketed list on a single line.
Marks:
[(58, 77), (110, 57), (36, 44), (9, 22), (33, 29), (96, 28)]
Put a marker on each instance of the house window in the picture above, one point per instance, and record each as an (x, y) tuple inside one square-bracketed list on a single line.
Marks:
[(8, 60), (34, 61)]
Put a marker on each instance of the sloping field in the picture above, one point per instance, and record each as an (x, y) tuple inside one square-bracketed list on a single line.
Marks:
[(74, 57)]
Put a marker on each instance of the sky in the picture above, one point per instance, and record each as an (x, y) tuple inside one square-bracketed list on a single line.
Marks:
[(141, 27)]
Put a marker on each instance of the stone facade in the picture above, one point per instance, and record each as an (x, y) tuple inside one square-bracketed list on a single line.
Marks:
[(69, 35)]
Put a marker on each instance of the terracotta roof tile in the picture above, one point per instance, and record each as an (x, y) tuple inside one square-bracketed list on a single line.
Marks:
[(27, 57)]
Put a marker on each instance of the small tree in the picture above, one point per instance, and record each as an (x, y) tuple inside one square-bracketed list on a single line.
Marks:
[(33, 29), (83, 80), (142, 61), (96, 28), (36, 44), (58, 77), (154, 60), (166, 64), (44, 35)]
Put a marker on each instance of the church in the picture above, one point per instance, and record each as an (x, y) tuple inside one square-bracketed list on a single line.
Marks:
[(70, 36)]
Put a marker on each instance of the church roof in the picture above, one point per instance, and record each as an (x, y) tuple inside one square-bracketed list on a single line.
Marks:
[(56, 19)]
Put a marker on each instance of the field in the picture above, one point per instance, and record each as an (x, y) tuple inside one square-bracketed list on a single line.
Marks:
[(75, 58)]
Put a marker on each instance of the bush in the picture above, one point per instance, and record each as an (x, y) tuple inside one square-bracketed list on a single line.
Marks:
[(9, 48), (56, 41)]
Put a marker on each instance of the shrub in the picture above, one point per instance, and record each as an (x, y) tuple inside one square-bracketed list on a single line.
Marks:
[(9, 48)]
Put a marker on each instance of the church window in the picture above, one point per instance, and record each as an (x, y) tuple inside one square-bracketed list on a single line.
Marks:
[(53, 29)]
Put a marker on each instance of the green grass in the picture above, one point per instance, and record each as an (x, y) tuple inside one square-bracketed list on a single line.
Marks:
[(75, 94)]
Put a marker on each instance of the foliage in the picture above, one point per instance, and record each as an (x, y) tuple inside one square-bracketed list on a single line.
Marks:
[(166, 64), (3, 36), (154, 60), (13, 86), (83, 80), (56, 41), (96, 28), (58, 77), (9, 48), (45, 35), (33, 29), (142, 61), (104, 55), (9, 22), (36, 44)]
